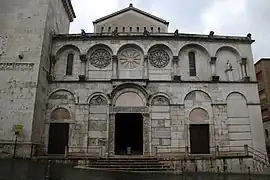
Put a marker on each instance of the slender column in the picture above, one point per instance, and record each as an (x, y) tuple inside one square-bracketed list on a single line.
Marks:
[(175, 65), (115, 66), (146, 69), (83, 67)]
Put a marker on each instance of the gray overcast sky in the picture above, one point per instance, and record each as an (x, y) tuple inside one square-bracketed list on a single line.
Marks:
[(225, 17)]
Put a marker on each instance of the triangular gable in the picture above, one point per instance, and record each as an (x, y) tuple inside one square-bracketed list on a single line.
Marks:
[(131, 8)]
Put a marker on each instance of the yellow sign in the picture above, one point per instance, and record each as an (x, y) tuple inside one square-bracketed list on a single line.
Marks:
[(18, 128)]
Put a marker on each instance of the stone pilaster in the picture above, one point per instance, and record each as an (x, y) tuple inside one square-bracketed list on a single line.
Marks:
[(146, 134), (146, 68), (111, 134), (175, 65), (51, 73), (213, 69), (115, 66), (83, 67)]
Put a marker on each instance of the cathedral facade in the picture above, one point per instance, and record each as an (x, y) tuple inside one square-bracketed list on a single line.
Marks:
[(130, 87)]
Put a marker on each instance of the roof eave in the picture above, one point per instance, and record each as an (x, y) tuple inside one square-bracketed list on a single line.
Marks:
[(134, 9)]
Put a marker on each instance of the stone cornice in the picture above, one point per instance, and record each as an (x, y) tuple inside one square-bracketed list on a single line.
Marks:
[(156, 81), (69, 9), (154, 36)]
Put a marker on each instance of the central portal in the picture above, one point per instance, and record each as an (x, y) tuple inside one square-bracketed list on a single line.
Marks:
[(129, 133)]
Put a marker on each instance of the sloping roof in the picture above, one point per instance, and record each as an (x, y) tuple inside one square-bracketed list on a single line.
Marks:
[(129, 9), (69, 9)]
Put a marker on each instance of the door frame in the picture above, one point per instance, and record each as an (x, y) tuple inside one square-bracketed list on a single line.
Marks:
[(146, 128), (209, 136)]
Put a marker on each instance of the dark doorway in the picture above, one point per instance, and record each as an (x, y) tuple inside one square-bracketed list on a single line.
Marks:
[(58, 138), (129, 133), (199, 139)]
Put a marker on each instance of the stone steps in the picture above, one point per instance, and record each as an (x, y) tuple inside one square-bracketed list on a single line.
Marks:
[(129, 164)]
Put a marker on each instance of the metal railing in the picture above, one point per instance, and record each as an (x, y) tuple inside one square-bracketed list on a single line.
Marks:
[(70, 151), (217, 151)]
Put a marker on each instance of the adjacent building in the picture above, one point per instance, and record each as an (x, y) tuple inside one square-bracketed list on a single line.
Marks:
[(262, 68), (130, 84)]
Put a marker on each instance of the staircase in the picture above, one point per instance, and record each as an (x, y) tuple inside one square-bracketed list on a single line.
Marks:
[(135, 164)]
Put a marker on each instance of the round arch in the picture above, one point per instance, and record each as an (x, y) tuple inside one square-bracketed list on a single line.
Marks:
[(152, 97), (162, 46), (130, 45), (60, 113), (195, 46), (65, 90), (67, 47), (99, 46), (198, 114), (198, 90), (97, 94), (129, 87), (235, 92), (229, 48)]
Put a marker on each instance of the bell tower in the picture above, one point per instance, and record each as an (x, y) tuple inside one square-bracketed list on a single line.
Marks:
[(26, 28)]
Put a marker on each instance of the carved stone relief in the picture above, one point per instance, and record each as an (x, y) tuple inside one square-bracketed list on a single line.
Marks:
[(98, 100), (160, 100), (100, 58), (130, 58), (159, 58), (3, 43), (16, 66)]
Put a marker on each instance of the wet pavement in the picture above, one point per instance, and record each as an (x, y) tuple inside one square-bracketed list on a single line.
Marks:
[(27, 170)]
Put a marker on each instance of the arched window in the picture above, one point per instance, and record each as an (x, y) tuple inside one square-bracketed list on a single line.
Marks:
[(130, 29), (69, 68), (138, 29), (192, 64)]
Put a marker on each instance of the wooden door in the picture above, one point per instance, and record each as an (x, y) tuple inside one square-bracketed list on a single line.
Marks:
[(58, 138), (199, 139)]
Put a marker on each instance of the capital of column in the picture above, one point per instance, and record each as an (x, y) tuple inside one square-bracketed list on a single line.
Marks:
[(213, 60), (83, 57), (146, 57), (243, 61), (115, 58), (53, 59), (175, 59)]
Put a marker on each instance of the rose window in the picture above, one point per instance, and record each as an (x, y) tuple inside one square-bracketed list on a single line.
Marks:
[(130, 58), (100, 58), (159, 58)]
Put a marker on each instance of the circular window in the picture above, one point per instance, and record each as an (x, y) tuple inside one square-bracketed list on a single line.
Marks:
[(100, 58), (159, 58)]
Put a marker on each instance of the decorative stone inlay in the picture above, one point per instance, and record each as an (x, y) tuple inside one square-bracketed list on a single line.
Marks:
[(3, 43), (160, 100), (130, 58), (159, 58), (100, 58), (130, 109), (98, 100), (16, 66)]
